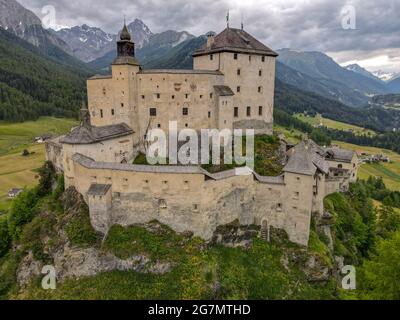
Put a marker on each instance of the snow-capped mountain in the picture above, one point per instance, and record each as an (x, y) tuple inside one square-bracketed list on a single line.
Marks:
[(358, 69), (27, 26), (386, 76), (89, 43)]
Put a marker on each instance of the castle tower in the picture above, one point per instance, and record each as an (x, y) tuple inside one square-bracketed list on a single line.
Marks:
[(249, 69), (124, 80)]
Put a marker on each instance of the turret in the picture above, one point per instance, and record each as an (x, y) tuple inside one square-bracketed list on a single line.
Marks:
[(125, 49)]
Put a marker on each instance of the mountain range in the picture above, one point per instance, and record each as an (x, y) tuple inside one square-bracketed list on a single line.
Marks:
[(306, 81), (90, 43)]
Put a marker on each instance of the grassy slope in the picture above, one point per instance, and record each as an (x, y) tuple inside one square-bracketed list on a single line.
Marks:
[(332, 124), (17, 171)]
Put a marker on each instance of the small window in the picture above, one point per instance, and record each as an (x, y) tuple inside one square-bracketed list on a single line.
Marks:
[(260, 73), (249, 58), (187, 96), (158, 95), (340, 166), (112, 112), (236, 112), (235, 56), (238, 72), (173, 97), (201, 96), (104, 91), (211, 95), (260, 110), (143, 97), (185, 111), (122, 104), (238, 89), (159, 125), (259, 89), (279, 207), (211, 57), (248, 111), (263, 59), (101, 113), (186, 125), (153, 112), (209, 114)]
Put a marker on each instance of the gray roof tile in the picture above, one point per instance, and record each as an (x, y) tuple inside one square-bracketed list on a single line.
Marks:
[(236, 40), (90, 134)]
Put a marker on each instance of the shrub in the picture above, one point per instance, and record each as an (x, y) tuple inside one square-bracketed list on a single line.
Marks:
[(5, 239), (47, 177), (23, 210), (79, 229)]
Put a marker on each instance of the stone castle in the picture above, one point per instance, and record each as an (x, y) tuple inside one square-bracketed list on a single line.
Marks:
[(231, 87)]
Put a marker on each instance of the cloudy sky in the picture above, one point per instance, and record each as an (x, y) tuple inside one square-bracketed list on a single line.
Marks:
[(351, 31)]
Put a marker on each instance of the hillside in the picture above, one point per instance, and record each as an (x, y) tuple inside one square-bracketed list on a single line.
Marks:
[(386, 101), (321, 67), (293, 100), (33, 84), (321, 86), (394, 85)]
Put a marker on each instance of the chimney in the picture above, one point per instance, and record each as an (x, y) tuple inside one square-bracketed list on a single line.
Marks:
[(210, 39)]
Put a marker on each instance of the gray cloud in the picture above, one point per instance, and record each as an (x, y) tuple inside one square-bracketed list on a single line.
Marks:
[(297, 24)]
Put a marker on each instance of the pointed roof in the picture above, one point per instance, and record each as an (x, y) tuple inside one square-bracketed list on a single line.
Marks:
[(238, 41), (125, 35), (300, 162)]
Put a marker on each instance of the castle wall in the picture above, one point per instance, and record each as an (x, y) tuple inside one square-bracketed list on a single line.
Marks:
[(195, 202), (170, 92), (54, 153), (113, 150)]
